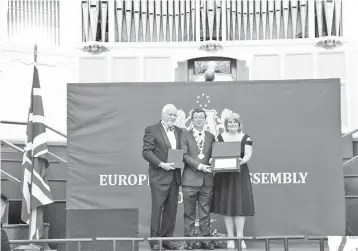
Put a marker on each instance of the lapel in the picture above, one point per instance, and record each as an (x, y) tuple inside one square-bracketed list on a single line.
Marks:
[(193, 139), (164, 134), (177, 136), (206, 143)]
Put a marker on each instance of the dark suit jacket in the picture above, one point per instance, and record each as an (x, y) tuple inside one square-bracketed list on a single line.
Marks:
[(155, 151), (191, 175)]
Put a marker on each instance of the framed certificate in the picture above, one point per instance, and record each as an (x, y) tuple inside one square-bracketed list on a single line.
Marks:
[(225, 157), (176, 156), (225, 164)]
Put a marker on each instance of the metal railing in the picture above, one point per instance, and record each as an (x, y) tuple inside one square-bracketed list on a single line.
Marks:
[(24, 123), (350, 133), (9, 144), (321, 240), (267, 240), (350, 161), (355, 158), (56, 241), (120, 239), (21, 150), (10, 177), (135, 240), (18, 149)]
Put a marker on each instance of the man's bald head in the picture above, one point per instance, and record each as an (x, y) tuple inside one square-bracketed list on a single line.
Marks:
[(168, 107), (169, 114)]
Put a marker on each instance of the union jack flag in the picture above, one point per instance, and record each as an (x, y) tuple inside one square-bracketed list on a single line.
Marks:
[(35, 189)]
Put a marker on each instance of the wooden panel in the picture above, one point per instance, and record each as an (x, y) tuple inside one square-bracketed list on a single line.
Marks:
[(92, 70), (125, 69), (158, 69), (331, 65), (298, 66), (266, 67)]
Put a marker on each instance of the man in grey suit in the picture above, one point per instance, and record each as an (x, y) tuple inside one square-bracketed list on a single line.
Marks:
[(197, 179), (164, 179)]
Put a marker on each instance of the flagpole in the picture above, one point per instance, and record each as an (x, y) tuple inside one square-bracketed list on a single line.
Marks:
[(35, 54), (33, 164), (31, 246)]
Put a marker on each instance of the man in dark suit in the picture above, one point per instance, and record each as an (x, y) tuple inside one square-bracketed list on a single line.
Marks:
[(197, 179), (164, 179)]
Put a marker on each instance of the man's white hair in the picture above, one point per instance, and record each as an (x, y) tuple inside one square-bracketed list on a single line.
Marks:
[(167, 106)]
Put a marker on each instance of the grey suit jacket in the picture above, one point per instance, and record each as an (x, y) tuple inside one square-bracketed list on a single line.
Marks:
[(191, 175)]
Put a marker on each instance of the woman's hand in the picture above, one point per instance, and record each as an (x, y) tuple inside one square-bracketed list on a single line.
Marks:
[(241, 161)]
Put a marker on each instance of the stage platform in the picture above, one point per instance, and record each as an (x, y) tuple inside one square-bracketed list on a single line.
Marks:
[(256, 247)]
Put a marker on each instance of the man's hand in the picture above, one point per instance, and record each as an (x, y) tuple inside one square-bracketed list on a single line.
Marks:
[(241, 161), (167, 166), (204, 168)]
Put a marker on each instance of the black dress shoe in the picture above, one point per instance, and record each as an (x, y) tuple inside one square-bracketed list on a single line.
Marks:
[(169, 247), (207, 246)]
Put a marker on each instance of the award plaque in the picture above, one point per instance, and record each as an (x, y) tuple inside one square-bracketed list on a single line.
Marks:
[(225, 157), (176, 156)]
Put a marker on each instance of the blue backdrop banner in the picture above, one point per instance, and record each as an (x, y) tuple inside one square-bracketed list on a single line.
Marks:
[(296, 167)]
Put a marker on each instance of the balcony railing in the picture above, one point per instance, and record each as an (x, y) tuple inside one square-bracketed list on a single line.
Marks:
[(203, 20)]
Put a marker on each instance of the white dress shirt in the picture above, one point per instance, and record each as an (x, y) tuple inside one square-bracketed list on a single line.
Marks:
[(171, 136), (199, 136)]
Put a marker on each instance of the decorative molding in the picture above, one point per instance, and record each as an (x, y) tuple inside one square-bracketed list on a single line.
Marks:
[(94, 48), (211, 47), (329, 43)]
